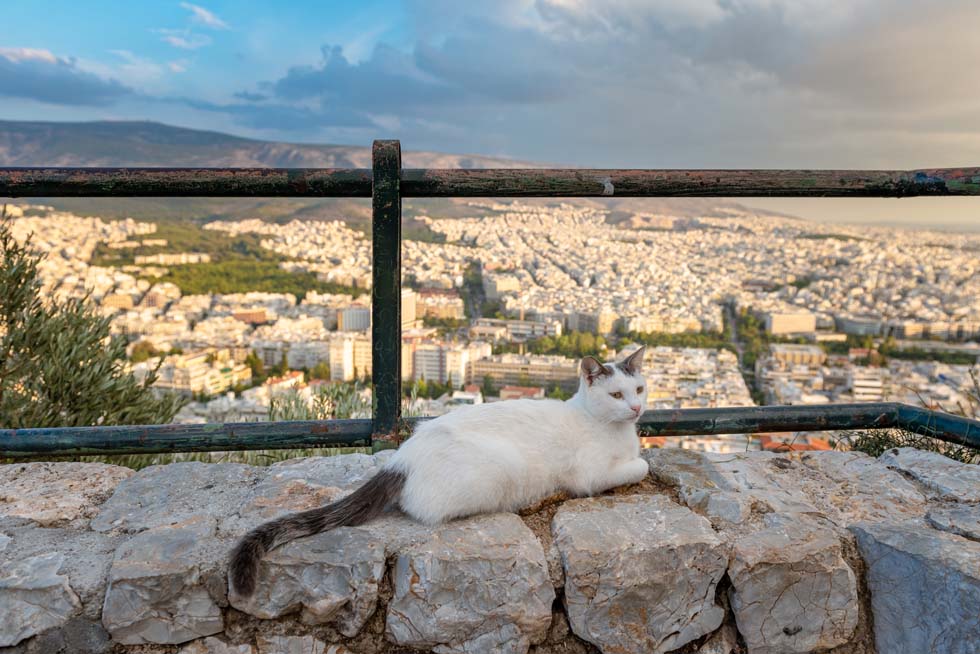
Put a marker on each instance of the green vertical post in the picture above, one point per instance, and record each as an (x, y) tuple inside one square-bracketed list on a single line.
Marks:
[(386, 289)]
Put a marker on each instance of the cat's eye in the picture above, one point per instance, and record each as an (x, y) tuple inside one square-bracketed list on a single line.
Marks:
[(639, 389), (617, 395)]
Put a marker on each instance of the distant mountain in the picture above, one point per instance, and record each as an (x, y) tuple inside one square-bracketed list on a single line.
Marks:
[(126, 143), (132, 143)]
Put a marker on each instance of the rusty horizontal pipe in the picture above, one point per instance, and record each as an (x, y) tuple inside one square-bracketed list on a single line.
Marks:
[(185, 182), (149, 439), (530, 182), (689, 183), (769, 419)]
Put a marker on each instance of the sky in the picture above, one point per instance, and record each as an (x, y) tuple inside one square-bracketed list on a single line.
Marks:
[(618, 83)]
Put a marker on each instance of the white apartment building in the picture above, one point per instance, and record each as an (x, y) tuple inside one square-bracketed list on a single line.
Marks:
[(495, 285), (208, 372), (350, 358), (515, 330), (529, 369), (308, 354), (444, 362), (409, 299), (354, 319), (866, 384)]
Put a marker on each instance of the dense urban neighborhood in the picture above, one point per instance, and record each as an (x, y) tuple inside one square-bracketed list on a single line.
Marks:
[(736, 307)]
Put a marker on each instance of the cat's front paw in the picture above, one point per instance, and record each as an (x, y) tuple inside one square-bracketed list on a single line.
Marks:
[(639, 469)]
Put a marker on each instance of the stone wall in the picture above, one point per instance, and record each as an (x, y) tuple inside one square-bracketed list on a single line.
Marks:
[(756, 552)]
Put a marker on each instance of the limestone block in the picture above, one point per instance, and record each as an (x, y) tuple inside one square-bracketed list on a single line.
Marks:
[(297, 645), (863, 488), (845, 487), (960, 519), (477, 585), (793, 592), (273, 498), (750, 475), (212, 645), (163, 495), (948, 479), (640, 572), (77, 636), (35, 597), (298, 485), (347, 471), (723, 641), (57, 494), (333, 577), (925, 588), (166, 583), (85, 558), (724, 508)]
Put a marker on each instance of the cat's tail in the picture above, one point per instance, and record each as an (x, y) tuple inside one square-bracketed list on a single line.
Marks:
[(357, 508)]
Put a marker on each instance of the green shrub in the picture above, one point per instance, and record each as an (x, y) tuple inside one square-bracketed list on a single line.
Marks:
[(59, 365)]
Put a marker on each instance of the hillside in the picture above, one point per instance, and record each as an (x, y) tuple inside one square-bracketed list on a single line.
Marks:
[(130, 143), (124, 143)]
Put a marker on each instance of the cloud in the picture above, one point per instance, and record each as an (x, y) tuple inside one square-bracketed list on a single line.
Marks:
[(248, 96), (184, 39), (281, 117), (668, 82), (650, 83), (134, 67), (40, 75), (204, 17), (20, 55)]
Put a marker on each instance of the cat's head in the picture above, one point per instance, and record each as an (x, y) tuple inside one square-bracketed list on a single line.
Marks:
[(615, 391)]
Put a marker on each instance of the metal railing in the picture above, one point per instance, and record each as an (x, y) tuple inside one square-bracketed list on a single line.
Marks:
[(386, 183)]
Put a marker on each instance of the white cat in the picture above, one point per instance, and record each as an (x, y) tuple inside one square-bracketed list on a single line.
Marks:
[(487, 458)]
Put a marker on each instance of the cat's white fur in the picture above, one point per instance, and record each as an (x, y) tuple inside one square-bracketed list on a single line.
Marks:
[(504, 456)]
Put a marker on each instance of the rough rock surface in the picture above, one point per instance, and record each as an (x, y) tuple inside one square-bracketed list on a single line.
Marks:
[(960, 519), (145, 570), (57, 494), (640, 572), (862, 488), (85, 558), (297, 645), (333, 577), (166, 583), (164, 495), (948, 479), (212, 645), (477, 585), (845, 487), (792, 591), (77, 636), (925, 588), (36, 597), (723, 641)]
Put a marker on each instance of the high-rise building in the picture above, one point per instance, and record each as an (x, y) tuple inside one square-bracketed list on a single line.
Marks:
[(408, 308), (342, 359)]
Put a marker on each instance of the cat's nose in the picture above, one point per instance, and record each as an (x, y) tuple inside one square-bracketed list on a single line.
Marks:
[(637, 409)]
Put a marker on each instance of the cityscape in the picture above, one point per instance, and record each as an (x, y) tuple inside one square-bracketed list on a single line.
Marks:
[(737, 307), (521, 327)]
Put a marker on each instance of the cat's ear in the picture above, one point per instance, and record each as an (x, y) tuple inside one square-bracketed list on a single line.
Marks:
[(632, 364), (593, 369)]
